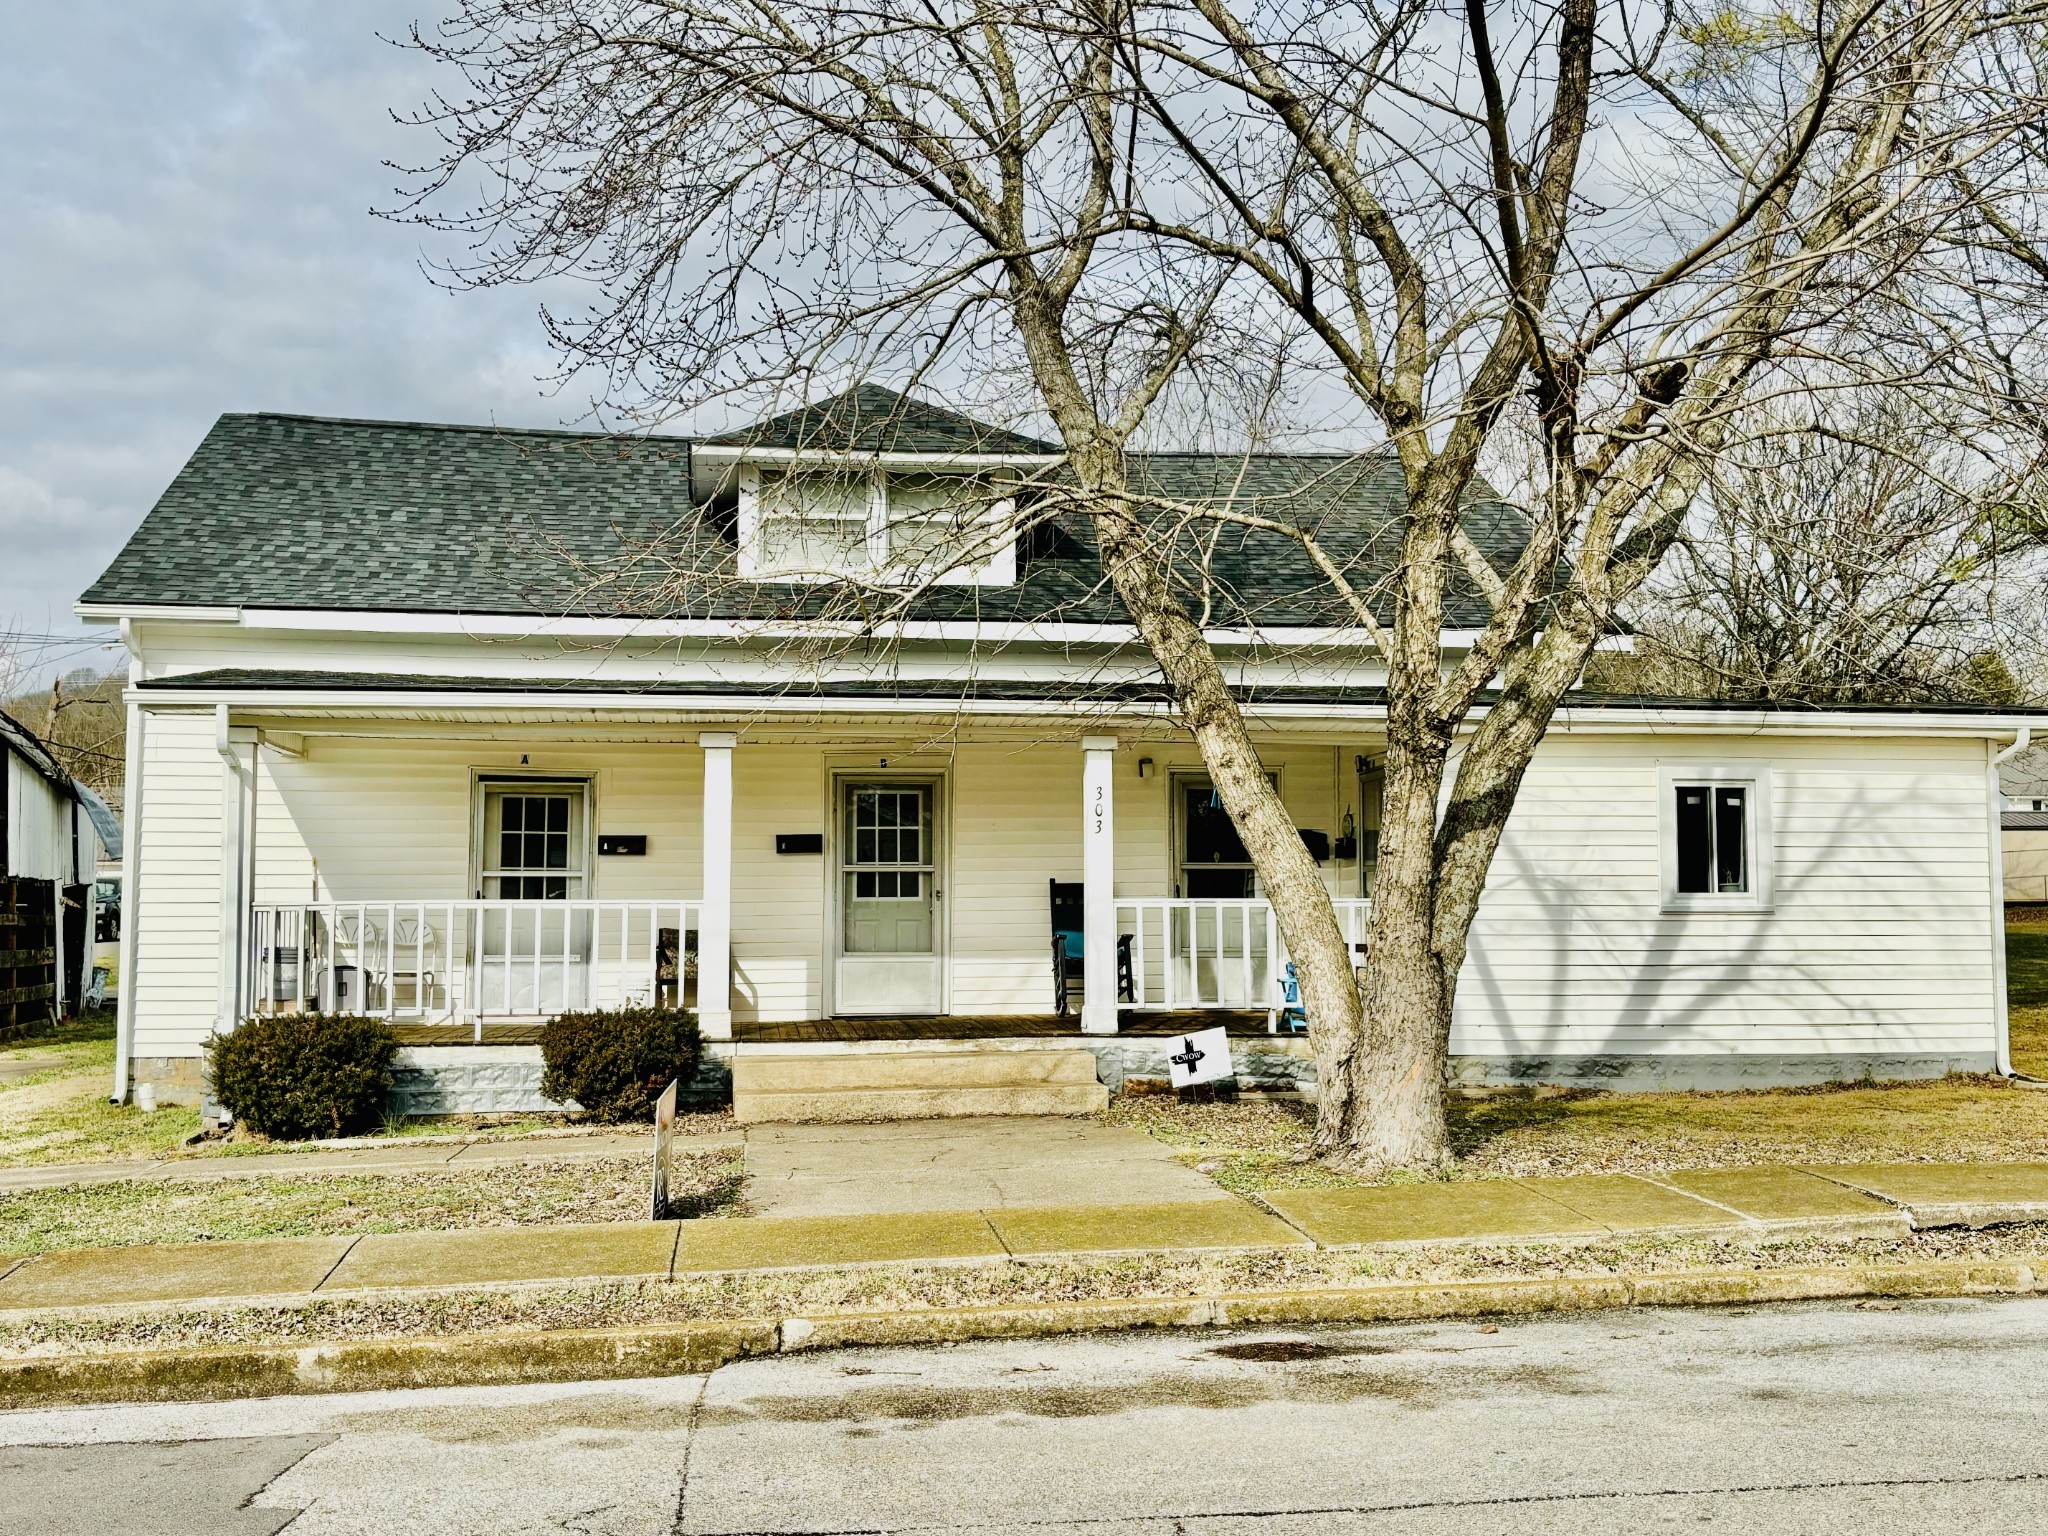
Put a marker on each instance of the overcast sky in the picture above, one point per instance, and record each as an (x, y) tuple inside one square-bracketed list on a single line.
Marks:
[(186, 231)]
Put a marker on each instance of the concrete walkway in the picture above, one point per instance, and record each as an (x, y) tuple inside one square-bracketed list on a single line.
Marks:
[(977, 1163), (397, 1157), (1835, 1201)]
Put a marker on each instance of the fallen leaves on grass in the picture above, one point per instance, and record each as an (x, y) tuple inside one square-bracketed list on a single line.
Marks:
[(911, 1288), (315, 1205), (1254, 1145)]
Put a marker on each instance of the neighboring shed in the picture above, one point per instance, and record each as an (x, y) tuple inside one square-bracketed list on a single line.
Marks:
[(2026, 856), (49, 850)]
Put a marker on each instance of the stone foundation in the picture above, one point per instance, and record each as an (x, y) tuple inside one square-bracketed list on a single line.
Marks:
[(1284, 1063), (1653, 1074), (1276, 1065), (505, 1079), (178, 1079)]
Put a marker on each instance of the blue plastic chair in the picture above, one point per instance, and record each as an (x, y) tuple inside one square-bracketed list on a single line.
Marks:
[(1292, 1015)]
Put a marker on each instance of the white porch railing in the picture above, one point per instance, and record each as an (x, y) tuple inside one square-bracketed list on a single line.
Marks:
[(1198, 953), (462, 962)]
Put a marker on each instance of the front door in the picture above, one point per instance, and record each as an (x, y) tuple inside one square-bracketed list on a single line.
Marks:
[(890, 930)]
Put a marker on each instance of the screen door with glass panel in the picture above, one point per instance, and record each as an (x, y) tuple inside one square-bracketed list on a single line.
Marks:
[(532, 959), (889, 959)]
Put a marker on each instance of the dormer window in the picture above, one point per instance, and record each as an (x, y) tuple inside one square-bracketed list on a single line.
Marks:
[(939, 518), (876, 523), (812, 524)]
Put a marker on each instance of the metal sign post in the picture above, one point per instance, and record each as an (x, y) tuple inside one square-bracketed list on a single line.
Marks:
[(664, 1138)]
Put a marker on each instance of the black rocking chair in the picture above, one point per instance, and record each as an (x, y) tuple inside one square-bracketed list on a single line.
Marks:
[(1069, 957)]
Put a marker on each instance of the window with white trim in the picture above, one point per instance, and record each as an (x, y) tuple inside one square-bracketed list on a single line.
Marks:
[(813, 524), (533, 839), (891, 525), (937, 523), (1716, 835)]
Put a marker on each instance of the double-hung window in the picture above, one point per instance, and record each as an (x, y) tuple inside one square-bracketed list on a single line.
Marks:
[(870, 523), (937, 523), (1716, 835), (533, 840), (813, 523)]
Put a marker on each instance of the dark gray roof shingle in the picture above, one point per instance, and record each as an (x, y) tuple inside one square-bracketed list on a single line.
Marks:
[(871, 419), (311, 512)]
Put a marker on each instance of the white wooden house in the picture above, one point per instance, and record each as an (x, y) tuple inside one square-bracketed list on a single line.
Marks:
[(414, 731)]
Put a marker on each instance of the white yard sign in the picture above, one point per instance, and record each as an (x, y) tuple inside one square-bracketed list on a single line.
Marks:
[(1201, 1057), (664, 1140)]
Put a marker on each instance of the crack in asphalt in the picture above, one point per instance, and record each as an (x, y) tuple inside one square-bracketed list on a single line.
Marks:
[(320, 1443), (689, 1444), (1419, 1506)]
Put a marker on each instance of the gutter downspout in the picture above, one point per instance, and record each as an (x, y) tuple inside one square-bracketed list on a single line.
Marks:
[(1994, 798), (131, 864)]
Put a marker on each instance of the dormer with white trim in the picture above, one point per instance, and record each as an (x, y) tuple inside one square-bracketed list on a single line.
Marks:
[(873, 486)]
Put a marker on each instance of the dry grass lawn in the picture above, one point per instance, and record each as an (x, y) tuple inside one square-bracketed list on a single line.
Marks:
[(59, 1113), (319, 1205), (909, 1288), (1254, 1145)]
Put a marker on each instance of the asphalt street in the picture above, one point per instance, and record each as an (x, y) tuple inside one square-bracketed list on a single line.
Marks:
[(1924, 1418)]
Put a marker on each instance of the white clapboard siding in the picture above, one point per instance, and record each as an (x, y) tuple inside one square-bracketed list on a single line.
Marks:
[(1016, 828), (176, 906), (390, 819), (1879, 939), (183, 648), (778, 900)]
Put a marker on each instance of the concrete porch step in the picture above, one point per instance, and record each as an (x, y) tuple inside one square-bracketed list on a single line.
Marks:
[(847, 1086)]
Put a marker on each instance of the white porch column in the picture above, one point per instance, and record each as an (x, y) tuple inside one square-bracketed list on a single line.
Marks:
[(237, 748), (1098, 875), (714, 923)]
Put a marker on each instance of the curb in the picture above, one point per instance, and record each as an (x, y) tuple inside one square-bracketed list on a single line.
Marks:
[(670, 1349), (371, 1365)]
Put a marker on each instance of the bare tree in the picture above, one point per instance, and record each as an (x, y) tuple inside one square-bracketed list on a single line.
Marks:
[(1854, 554), (78, 714), (1559, 244)]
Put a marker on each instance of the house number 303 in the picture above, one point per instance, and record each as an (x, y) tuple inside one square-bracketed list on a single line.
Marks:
[(1099, 796)]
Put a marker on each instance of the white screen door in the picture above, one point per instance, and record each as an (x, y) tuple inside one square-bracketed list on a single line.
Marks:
[(889, 958)]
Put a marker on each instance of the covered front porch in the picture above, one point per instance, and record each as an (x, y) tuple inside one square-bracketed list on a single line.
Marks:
[(469, 877)]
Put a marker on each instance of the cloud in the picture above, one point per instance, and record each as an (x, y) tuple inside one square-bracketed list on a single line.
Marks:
[(189, 233)]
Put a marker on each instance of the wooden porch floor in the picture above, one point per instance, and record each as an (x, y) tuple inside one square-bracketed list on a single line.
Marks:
[(1030, 1026), (464, 1034), (1033, 1026)]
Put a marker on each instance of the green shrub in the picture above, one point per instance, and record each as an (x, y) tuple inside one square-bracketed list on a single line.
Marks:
[(303, 1075), (616, 1064)]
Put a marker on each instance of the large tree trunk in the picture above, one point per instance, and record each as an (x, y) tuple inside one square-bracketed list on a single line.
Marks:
[(1396, 1117)]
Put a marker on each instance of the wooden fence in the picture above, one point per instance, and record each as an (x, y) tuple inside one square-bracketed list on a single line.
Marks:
[(28, 955)]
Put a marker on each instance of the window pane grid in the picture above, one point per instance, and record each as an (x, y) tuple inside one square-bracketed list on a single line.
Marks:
[(888, 827), (534, 842)]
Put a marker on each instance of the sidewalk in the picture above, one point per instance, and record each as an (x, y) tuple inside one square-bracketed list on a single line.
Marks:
[(1864, 1201), (398, 1157)]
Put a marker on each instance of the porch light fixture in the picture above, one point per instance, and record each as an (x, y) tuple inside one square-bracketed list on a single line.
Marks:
[(1144, 767)]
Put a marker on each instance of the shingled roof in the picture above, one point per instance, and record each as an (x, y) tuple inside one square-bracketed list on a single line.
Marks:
[(286, 511), (871, 419)]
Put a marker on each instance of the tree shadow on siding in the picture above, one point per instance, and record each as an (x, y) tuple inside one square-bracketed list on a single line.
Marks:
[(1720, 969)]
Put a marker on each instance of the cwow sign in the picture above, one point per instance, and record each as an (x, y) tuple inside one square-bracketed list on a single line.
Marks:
[(1200, 1057)]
